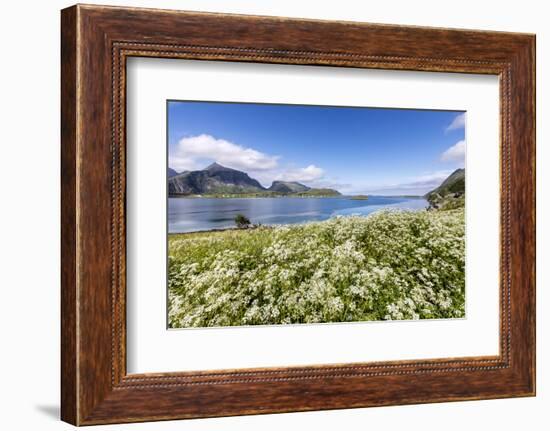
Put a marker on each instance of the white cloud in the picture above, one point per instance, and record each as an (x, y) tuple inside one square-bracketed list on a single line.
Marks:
[(459, 122), (196, 152), (307, 174), (418, 185), (456, 153), (189, 152), (431, 177), (182, 163), (328, 183)]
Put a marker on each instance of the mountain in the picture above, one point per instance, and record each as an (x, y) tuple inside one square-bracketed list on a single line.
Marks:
[(293, 188), (451, 193), (324, 192), (454, 183), (215, 179), (219, 180), (172, 172), (288, 187)]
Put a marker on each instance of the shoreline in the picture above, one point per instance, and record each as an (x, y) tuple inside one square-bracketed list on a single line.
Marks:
[(350, 197), (253, 197), (274, 226), (211, 231)]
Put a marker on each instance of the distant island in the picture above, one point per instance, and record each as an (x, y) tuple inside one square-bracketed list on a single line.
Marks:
[(222, 182)]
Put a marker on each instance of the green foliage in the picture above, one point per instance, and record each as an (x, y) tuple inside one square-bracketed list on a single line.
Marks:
[(450, 194), (242, 221), (452, 203), (318, 193), (454, 183), (389, 265)]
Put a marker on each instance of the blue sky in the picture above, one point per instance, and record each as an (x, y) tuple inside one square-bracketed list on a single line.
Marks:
[(355, 150)]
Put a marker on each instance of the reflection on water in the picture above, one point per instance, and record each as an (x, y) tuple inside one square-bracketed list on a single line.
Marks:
[(197, 214)]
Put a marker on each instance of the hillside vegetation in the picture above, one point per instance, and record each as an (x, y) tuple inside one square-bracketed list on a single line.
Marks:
[(451, 193), (219, 181)]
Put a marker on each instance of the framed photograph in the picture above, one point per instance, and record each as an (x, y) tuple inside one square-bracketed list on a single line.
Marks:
[(265, 215)]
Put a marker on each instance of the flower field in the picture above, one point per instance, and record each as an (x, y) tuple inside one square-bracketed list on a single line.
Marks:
[(391, 265)]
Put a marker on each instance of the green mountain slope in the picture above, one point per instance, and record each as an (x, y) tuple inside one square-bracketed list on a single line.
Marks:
[(288, 187), (451, 193), (215, 179), (319, 193), (219, 181)]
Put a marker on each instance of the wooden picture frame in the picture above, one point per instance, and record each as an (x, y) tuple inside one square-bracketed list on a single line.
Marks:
[(95, 43)]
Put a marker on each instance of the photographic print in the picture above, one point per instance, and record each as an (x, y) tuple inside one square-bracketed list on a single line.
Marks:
[(301, 214)]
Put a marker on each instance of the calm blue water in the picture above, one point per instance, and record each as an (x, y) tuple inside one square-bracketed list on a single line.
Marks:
[(196, 214)]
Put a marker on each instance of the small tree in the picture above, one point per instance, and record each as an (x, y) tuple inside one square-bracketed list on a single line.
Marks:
[(242, 221)]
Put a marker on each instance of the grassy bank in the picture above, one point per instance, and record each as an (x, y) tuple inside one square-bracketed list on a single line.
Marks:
[(390, 265)]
